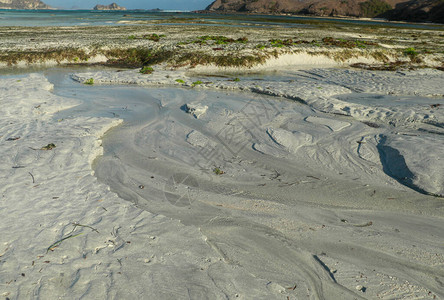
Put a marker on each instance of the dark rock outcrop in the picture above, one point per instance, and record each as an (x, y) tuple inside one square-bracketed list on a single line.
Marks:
[(418, 11), (112, 6), (23, 4)]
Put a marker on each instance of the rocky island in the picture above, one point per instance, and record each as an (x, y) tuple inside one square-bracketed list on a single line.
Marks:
[(112, 6), (23, 4)]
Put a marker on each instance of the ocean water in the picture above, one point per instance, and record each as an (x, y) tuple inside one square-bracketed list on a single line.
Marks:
[(102, 18)]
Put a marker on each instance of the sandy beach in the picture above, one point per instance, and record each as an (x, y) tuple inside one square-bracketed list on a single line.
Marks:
[(295, 177)]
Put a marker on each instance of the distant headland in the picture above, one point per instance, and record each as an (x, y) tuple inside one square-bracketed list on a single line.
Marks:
[(23, 4)]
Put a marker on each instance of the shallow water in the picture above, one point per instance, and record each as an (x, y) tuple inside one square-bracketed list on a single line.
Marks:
[(99, 101), (162, 107), (105, 18), (140, 106)]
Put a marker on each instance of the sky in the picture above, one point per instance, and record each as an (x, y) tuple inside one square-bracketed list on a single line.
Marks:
[(132, 4)]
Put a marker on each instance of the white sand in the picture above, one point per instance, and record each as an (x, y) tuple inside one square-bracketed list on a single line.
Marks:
[(317, 200), (326, 199), (134, 254)]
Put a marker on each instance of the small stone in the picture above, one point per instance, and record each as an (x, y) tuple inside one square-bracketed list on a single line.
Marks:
[(196, 109), (359, 287)]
